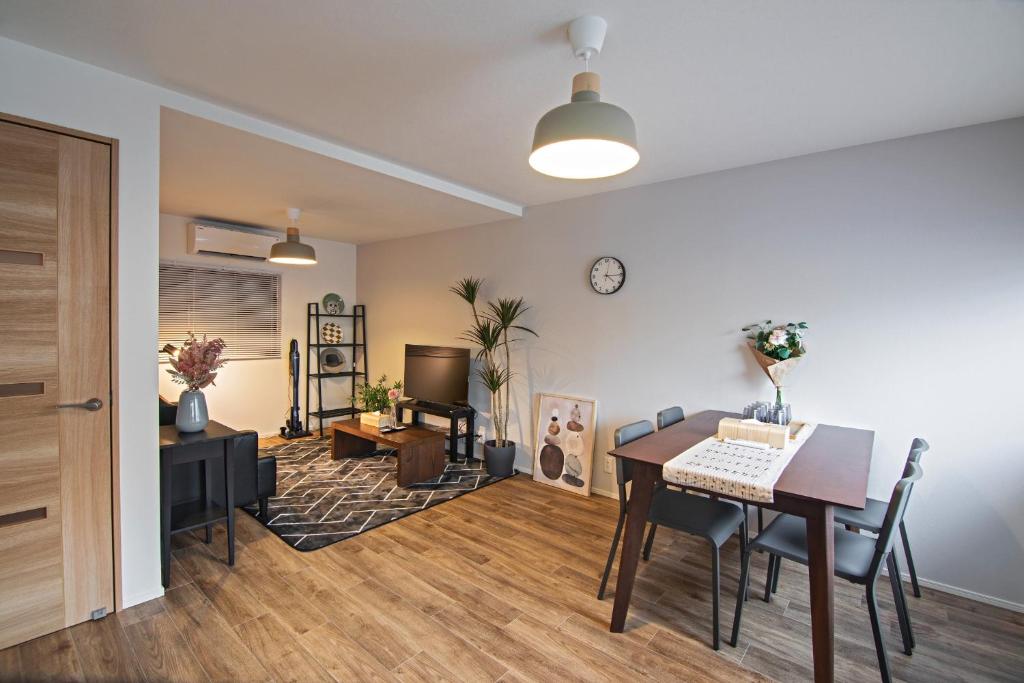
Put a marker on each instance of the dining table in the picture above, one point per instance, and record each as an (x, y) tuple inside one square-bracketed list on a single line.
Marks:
[(830, 468)]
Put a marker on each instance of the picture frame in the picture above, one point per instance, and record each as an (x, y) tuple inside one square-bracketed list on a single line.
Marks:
[(563, 453)]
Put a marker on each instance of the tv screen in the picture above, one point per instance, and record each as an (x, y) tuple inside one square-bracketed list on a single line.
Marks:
[(437, 374)]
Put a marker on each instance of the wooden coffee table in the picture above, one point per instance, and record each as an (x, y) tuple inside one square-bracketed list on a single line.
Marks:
[(420, 451)]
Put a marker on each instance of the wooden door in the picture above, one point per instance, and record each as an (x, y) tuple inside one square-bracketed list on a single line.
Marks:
[(56, 543)]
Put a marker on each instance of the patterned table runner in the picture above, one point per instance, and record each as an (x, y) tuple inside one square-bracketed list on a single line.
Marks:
[(733, 469)]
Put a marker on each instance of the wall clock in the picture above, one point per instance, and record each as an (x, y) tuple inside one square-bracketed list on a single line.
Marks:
[(607, 275)]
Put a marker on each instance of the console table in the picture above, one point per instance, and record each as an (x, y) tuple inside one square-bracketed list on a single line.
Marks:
[(215, 442), (420, 451), (453, 413)]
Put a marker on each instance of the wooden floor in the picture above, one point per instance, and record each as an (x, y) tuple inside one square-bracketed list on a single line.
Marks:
[(495, 585)]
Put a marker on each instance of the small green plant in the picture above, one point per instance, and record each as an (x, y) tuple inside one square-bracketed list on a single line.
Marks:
[(493, 330), (378, 396)]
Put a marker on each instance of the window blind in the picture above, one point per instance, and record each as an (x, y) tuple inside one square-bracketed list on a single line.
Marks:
[(241, 307)]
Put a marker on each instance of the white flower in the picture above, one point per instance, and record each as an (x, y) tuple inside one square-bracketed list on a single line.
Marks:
[(778, 336)]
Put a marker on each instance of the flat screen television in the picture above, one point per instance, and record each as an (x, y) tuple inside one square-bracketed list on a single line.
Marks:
[(436, 374)]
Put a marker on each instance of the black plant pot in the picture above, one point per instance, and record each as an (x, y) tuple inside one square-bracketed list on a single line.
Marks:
[(499, 460)]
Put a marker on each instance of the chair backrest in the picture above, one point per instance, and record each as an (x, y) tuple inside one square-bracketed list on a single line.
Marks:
[(624, 468), (670, 416), (917, 449), (894, 514)]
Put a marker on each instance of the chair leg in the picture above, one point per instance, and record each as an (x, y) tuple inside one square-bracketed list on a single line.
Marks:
[(741, 595), (775, 576), (264, 510), (900, 598), (715, 587), (760, 520), (772, 559), (876, 629), (611, 556), (209, 534), (910, 560), (650, 542)]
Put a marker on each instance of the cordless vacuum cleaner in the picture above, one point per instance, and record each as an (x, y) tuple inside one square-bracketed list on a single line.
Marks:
[(293, 425)]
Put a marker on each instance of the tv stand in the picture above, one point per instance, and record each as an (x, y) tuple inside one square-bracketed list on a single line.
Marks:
[(453, 413)]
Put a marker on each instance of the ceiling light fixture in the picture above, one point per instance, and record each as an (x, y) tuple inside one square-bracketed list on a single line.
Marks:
[(586, 138), (292, 251)]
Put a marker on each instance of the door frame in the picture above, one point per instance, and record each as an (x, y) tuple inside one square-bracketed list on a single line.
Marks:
[(115, 458)]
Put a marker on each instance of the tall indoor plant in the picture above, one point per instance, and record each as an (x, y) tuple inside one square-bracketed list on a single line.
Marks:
[(494, 329)]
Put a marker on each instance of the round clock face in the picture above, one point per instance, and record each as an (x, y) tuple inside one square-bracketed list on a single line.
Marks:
[(607, 275)]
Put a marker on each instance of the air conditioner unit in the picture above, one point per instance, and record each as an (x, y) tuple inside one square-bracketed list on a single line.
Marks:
[(215, 240)]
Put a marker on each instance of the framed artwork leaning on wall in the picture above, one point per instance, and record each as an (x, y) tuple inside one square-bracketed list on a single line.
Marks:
[(564, 449)]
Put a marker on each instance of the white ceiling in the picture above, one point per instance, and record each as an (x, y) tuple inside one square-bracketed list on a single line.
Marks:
[(454, 87), (213, 171)]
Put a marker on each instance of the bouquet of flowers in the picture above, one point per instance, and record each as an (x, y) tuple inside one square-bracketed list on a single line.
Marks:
[(777, 350), (197, 362)]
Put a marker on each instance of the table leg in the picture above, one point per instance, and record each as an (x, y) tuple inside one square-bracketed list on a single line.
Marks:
[(207, 494), (345, 445), (645, 476), (470, 427), (229, 493), (453, 439), (165, 517), (821, 555)]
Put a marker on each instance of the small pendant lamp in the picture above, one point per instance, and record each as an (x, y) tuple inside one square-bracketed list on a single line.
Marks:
[(292, 251), (586, 138)]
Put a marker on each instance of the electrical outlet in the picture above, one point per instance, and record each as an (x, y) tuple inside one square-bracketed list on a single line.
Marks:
[(609, 464)]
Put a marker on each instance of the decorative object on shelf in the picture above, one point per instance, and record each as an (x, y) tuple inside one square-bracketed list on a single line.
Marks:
[(378, 401), (777, 350), (494, 330), (195, 365), (586, 138), (333, 304), (332, 333), (292, 251), (607, 275), (332, 359), (564, 455)]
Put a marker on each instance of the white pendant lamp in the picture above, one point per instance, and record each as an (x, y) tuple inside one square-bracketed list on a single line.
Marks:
[(586, 138), (292, 251)]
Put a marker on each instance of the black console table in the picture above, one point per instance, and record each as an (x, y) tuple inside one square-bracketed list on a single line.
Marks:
[(215, 442), (453, 413)]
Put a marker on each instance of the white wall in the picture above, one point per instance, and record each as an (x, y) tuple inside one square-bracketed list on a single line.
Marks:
[(254, 394), (906, 258)]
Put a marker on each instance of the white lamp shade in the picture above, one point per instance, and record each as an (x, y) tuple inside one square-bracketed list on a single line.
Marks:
[(292, 251)]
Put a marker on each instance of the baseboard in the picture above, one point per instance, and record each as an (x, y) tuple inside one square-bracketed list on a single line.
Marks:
[(600, 492), (139, 598), (964, 593)]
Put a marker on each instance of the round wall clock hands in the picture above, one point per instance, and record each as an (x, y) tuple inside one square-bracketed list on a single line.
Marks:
[(607, 275)]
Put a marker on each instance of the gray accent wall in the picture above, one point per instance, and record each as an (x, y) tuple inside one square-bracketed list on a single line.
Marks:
[(905, 257)]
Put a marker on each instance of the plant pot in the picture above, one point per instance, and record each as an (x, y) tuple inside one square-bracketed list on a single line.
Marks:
[(499, 460), (192, 414)]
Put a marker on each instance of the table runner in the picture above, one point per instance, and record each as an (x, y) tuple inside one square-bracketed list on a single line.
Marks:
[(733, 469)]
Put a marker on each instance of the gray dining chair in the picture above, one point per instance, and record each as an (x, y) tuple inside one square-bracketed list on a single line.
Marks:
[(713, 520), (871, 519), (858, 559), (667, 418), (872, 516)]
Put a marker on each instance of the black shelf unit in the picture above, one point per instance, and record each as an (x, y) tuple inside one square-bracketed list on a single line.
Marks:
[(316, 374)]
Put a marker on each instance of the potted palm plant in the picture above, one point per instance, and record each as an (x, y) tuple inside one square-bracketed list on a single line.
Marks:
[(494, 329)]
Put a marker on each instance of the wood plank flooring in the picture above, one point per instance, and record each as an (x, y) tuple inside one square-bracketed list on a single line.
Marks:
[(497, 585)]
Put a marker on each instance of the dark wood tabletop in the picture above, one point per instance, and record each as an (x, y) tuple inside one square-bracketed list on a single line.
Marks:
[(831, 466), (215, 431), (397, 439)]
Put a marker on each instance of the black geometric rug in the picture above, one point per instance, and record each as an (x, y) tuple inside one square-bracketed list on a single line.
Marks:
[(322, 501)]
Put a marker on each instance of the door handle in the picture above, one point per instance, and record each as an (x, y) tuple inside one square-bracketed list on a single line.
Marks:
[(92, 404)]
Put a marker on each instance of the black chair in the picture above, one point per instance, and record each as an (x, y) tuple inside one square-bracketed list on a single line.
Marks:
[(872, 517), (858, 559), (667, 418), (713, 520)]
